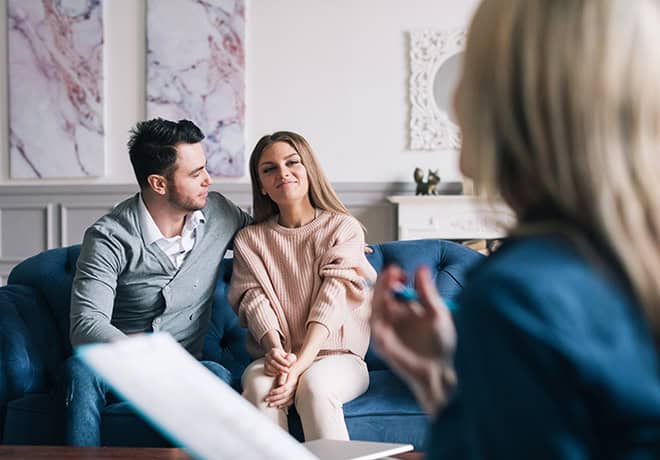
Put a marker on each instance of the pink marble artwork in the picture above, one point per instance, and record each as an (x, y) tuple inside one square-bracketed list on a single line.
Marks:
[(55, 58), (196, 70)]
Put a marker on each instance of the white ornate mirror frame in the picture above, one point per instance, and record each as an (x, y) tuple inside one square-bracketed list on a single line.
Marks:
[(430, 126)]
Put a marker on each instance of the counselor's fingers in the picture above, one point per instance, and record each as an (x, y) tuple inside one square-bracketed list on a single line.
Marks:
[(444, 331), (384, 283), (383, 302), (428, 294), (397, 353), (394, 311)]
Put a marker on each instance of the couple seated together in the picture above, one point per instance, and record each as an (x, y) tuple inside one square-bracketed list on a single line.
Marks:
[(299, 283)]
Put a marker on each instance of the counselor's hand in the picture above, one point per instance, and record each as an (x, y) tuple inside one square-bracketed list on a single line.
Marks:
[(417, 339), (277, 361)]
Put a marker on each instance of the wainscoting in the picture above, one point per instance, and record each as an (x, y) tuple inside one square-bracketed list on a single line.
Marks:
[(40, 217)]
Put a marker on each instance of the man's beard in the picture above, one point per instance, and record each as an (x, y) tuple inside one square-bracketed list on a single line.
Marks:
[(176, 200)]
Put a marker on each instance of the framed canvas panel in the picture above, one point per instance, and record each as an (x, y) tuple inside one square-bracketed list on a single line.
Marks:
[(196, 70), (55, 61)]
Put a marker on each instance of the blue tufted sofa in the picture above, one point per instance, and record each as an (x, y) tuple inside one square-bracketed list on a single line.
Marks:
[(34, 325)]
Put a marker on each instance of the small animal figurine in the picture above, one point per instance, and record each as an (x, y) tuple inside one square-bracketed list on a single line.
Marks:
[(429, 186)]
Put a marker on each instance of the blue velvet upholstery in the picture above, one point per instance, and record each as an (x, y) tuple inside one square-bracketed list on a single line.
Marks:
[(34, 324)]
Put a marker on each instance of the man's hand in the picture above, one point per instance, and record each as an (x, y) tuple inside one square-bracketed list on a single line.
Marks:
[(417, 339)]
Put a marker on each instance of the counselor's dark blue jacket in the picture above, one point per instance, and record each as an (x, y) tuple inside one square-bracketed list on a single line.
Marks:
[(555, 359)]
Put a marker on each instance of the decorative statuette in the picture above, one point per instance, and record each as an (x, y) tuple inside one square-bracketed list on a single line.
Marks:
[(428, 186)]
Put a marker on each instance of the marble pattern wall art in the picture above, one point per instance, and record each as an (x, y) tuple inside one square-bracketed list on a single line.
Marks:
[(55, 61), (196, 70)]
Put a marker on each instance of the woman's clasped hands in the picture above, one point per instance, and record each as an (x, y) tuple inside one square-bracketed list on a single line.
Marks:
[(280, 364)]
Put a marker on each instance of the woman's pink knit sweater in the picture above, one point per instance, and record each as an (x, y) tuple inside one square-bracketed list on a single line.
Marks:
[(285, 278)]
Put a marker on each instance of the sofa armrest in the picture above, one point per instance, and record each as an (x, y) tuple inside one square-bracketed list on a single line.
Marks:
[(30, 344), (51, 274)]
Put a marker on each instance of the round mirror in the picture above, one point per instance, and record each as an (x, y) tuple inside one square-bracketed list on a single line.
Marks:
[(444, 84)]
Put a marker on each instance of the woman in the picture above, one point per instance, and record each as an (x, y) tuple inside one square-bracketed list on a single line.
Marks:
[(299, 285), (556, 336)]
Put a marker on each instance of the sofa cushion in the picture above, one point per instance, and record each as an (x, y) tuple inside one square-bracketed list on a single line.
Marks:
[(407, 429), (386, 395)]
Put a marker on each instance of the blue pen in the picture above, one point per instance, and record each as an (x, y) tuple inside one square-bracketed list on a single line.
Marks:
[(400, 291), (404, 293), (407, 294)]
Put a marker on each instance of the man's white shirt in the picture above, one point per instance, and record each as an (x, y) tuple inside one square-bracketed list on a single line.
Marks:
[(176, 247)]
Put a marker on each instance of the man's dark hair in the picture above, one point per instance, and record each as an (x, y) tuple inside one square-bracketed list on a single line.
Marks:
[(152, 146)]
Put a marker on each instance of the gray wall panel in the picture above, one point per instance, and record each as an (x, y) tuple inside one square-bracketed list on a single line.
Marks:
[(26, 230), (379, 219), (76, 218)]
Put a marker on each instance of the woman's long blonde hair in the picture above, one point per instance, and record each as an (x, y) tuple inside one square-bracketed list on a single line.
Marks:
[(559, 104), (321, 193)]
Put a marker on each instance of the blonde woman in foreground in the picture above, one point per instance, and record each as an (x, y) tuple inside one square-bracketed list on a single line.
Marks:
[(298, 284), (554, 346)]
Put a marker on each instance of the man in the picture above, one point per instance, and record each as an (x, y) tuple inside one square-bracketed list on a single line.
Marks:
[(149, 265)]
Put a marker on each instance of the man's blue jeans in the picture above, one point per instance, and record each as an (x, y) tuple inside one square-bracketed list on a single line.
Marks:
[(85, 395)]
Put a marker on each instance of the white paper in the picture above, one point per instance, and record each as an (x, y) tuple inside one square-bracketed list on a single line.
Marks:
[(187, 402)]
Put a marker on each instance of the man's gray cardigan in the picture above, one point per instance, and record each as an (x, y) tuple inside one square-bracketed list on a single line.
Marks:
[(124, 287)]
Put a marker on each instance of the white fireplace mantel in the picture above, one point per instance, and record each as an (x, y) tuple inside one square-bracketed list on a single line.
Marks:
[(451, 217)]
